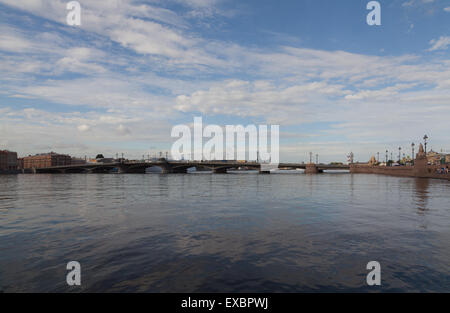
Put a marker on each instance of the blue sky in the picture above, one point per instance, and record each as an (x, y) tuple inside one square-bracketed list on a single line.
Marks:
[(134, 69)]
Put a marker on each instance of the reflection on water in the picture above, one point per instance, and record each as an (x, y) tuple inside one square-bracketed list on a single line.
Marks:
[(224, 233), (422, 185)]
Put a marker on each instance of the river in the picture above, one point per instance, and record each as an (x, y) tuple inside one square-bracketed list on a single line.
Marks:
[(241, 232)]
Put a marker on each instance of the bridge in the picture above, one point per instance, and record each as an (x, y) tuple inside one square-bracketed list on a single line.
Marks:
[(169, 167)]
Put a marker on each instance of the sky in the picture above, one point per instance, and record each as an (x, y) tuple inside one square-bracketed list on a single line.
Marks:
[(132, 70)]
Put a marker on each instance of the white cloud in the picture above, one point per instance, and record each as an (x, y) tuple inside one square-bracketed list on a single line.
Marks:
[(387, 93), (13, 43), (447, 9), (260, 99), (142, 28), (83, 128), (32, 130), (122, 130), (408, 3), (439, 44)]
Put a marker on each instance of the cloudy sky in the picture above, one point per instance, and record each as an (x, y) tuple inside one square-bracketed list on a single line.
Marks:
[(134, 69)]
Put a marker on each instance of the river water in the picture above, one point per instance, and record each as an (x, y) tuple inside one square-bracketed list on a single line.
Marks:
[(287, 232)]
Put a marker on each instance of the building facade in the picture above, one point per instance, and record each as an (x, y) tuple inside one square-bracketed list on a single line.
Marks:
[(102, 160), (46, 160), (435, 158), (78, 161), (8, 160), (20, 163)]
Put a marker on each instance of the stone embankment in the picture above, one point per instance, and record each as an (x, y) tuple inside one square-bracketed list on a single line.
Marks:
[(427, 171)]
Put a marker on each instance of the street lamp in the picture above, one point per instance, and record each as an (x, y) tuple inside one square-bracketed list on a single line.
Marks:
[(310, 157), (399, 154), (413, 156), (425, 138), (378, 157), (317, 159), (386, 157)]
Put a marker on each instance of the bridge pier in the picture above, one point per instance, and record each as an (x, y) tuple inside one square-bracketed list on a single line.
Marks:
[(173, 170), (311, 168), (131, 170), (220, 170)]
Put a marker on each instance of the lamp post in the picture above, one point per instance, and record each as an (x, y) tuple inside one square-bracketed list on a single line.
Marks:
[(317, 159), (386, 157), (310, 157), (412, 155), (425, 138), (399, 154), (378, 157)]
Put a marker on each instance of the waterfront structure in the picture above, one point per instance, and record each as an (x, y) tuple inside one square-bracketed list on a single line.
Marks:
[(373, 161), (8, 160), (420, 168), (434, 157), (46, 160)]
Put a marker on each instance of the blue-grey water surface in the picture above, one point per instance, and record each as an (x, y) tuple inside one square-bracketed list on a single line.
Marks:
[(224, 233)]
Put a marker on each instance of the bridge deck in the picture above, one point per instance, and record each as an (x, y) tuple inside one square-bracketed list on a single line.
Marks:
[(187, 164)]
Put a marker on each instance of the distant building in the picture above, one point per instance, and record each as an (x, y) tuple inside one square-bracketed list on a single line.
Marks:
[(435, 157), (8, 160), (78, 161), (46, 160), (102, 160), (20, 163)]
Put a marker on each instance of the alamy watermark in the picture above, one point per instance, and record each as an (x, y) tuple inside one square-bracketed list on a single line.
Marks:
[(374, 16), (374, 276), (74, 16), (73, 278), (232, 142)]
